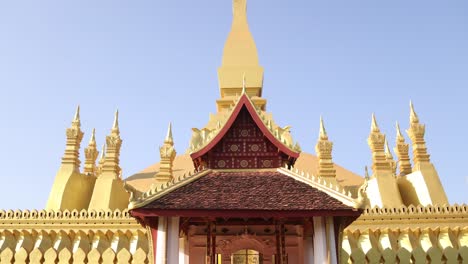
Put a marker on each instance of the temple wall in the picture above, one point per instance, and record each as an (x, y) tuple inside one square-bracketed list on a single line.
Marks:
[(72, 237), (431, 234)]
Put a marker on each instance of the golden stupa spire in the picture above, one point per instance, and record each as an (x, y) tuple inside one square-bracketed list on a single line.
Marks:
[(240, 57), (323, 133), (74, 137), (110, 166), (91, 154), (416, 133), (324, 148), (102, 158), (376, 141), (167, 153), (389, 156), (402, 151)]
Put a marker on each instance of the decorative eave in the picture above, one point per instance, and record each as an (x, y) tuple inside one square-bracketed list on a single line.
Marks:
[(260, 119), (329, 187), (159, 190)]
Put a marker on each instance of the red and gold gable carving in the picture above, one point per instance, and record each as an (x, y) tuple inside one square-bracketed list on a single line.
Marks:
[(244, 146)]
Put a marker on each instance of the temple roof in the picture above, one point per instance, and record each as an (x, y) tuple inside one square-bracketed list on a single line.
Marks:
[(246, 191), (306, 162)]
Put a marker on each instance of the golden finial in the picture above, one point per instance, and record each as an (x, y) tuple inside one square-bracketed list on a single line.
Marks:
[(388, 153), (366, 173), (103, 153), (323, 133), (374, 126), (413, 116), (76, 118), (399, 134), (115, 126), (92, 140), (169, 138), (244, 89)]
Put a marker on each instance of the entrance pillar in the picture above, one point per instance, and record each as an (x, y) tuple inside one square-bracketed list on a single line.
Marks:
[(331, 240), (320, 241), (173, 240), (161, 238)]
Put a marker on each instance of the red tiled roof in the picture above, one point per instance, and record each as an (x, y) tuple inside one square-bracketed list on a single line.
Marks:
[(265, 191)]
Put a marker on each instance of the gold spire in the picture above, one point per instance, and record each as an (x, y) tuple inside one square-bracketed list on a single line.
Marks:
[(169, 138), (366, 173), (413, 116), (91, 155), (401, 149), (167, 153), (240, 57), (416, 133), (376, 141), (74, 137), (389, 156), (115, 126), (111, 167), (324, 148), (374, 126), (323, 133), (244, 89)]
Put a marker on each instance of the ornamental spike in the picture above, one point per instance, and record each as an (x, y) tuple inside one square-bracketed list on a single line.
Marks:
[(92, 140), (323, 132), (76, 118), (115, 126), (413, 116), (374, 126), (244, 89), (169, 138), (399, 134), (388, 153)]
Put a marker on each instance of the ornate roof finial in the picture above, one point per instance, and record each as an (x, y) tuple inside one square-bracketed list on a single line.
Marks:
[(323, 133), (374, 126), (400, 137), (416, 133), (402, 152), (413, 116), (366, 173), (76, 118), (91, 155), (169, 138), (103, 154), (115, 126), (376, 141), (244, 89), (74, 137), (324, 148), (111, 166), (388, 153)]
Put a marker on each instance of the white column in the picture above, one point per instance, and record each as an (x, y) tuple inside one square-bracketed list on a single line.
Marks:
[(320, 241), (183, 250), (331, 240), (173, 240), (161, 241), (308, 250)]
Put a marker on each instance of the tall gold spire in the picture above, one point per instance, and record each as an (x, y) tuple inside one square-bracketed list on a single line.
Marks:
[(168, 154), (111, 167), (240, 57), (389, 156), (324, 148), (91, 155), (416, 133), (376, 143), (401, 149), (74, 137)]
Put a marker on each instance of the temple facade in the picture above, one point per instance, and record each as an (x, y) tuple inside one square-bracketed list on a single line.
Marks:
[(243, 193)]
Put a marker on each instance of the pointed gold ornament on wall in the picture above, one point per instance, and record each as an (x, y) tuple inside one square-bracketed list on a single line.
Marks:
[(416, 133), (167, 154), (402, 151), (324, 148), (91, 154)]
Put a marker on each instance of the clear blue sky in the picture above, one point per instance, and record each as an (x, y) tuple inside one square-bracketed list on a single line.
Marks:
[(156, 61)]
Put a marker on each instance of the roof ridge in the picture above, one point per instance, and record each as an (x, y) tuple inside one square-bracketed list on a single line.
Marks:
[(333, 189)]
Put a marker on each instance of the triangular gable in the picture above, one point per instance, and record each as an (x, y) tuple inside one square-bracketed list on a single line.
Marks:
[(244, 105)]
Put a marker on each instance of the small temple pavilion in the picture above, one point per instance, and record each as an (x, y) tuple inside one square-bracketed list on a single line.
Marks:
[(242, 201)]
